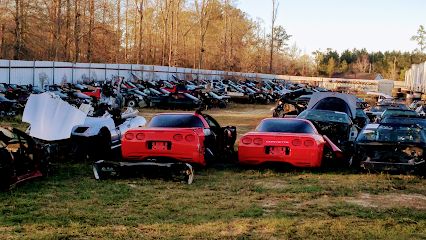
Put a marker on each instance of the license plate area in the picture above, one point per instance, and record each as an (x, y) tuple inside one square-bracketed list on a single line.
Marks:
[(277, 150), (159, 146)]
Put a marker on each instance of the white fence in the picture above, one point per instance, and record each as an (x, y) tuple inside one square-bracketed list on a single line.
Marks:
[(40, 73), (415, 78)]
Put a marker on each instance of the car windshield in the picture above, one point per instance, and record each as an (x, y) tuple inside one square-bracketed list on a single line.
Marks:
[(393, 133), (285, 126), (325, 116), (176, 121), (2, 88), (399, 112)]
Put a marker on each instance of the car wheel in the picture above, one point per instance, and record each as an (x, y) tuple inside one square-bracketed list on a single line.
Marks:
[(5, 170), (131, 103), (102, 148)]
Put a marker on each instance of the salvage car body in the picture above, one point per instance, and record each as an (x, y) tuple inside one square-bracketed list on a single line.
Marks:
[(8, 107), (21, 159), (333, 115), (292, 141), (193, 138), (99, 135), (391, 147)]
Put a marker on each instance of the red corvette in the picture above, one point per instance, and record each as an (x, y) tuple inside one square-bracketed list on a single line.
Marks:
[(193, 138), (292, 141)]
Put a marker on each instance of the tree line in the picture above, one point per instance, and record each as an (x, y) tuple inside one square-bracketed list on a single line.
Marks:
[(207, 34)]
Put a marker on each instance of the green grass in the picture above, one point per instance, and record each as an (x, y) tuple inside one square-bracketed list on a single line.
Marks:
[(222, 203)]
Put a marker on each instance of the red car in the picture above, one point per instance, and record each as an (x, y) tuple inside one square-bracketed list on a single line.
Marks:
[(193, 138), (95, 93), (292, 141)]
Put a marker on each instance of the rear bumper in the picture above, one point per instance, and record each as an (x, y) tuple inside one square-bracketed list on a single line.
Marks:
[(305, 157), (140, 152)]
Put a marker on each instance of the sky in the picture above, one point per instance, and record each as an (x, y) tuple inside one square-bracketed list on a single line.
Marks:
[(377, 25)]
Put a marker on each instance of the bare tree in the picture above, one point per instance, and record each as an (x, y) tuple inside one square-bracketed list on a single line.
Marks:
[(203, 11), (275, 5), (141, 12), (118, 32), (91, 28), (18, 29), (77, 30), (362, 63)]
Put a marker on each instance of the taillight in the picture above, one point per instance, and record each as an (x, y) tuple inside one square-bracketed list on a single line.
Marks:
[(258, 141), (296, 142), (178, 137), (246, 140), (190, 138), (140, 136), (308, 143), (129, 136)]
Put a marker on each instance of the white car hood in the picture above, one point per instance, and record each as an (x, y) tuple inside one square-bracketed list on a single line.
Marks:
[(50, 117)]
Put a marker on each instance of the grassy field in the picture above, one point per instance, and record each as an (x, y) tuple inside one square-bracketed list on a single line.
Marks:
[(222, 203)]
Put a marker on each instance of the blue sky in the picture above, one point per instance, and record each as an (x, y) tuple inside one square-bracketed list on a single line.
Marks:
[(344, 24)]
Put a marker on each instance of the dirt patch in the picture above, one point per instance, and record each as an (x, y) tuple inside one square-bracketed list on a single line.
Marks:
[(416, 201), (271, 185)]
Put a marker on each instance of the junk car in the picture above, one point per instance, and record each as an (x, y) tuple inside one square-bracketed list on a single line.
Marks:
[(194, 138), (293, 141), (21, 158), (333, 115), (391, 147), (99, 135)]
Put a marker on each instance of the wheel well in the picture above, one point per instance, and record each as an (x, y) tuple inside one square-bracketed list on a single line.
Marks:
[(104, 132)]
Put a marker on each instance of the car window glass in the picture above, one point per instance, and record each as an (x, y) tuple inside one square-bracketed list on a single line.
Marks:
[(176, 121), (284, 126), (211, 121)]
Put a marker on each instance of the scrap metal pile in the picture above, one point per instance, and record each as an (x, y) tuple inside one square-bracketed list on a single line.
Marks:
[(310, 128)]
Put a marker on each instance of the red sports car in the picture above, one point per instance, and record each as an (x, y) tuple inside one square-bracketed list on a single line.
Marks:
[(193, 138), (292, 141)]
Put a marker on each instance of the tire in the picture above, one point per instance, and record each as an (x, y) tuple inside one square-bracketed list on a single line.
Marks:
[(5, 170), (131, 103), (102, 149)]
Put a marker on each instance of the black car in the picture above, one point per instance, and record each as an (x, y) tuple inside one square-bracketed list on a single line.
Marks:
[(176, 101), (8, 107), (391, 147)]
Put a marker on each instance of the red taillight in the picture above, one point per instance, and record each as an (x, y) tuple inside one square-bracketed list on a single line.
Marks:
[(190, 138), (178, 137), (296, 142), (140, 136), (258, 141), (129, 136), (308, 143), (246, 140)]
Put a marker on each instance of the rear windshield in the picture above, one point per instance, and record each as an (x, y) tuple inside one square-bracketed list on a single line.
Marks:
[(396, 112), (404, 120), (284, 126), (176, 121)]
